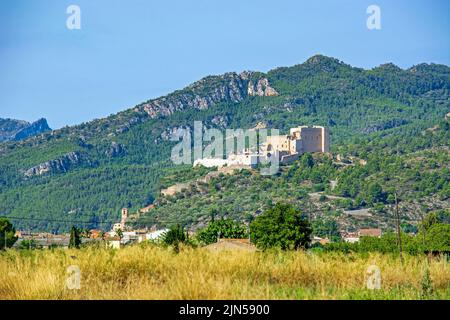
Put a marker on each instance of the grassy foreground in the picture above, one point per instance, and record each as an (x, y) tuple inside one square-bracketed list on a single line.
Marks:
[(149, 272)]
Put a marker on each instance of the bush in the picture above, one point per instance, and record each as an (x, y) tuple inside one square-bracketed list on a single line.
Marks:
[(28, 245), (7, 234), (224, 228), (438, 237), (174, 237)]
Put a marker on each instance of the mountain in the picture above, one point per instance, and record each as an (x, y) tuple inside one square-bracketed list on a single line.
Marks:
[(15, 130), (86, 173)]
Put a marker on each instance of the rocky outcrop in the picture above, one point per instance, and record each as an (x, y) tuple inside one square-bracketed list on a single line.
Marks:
[(8, 127), (116, 150), (62, 164), (230, 87), (33, 129), (261, 88), (16, 130)]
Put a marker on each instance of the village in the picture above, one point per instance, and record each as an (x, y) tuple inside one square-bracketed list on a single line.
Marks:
[(122, 235)]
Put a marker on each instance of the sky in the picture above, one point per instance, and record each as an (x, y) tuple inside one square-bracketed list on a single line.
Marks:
[(127, 52)]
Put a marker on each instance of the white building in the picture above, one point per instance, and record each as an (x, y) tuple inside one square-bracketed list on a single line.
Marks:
[(244, 159), (351, 239), (129, 236), (154, 235)]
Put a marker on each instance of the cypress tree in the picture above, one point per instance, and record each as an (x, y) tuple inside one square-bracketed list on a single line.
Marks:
[(75, 240)]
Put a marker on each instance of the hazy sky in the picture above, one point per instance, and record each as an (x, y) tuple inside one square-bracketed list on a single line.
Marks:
[(130, 51)]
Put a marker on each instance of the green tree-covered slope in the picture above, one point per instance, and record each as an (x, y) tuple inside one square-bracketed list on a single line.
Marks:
[(86, 173), (367, 172)]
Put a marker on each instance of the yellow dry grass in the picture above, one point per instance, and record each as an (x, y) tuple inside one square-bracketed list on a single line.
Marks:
[(150, 272)]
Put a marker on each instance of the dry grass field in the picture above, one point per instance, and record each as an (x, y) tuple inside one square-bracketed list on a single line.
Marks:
[(150, 272)]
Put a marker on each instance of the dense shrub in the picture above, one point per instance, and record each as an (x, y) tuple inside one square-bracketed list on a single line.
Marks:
[(282, 227)]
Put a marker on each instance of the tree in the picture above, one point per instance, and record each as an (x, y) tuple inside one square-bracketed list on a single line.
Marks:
[(427, 285), (391, 198), (224, 228), (175, 236), (28, 244), (307, 160), (75, 239), (437, 237), (375, 194), (281, 227), (7, 234), (119, 233), (435, 217), (326, 228)]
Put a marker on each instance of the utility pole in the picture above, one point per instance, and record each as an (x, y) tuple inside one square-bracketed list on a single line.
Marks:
[(399, 238), (423, 229), (310, 211)]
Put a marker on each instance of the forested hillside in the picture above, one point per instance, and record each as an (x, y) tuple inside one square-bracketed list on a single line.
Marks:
[(390, 117), (364, 174)]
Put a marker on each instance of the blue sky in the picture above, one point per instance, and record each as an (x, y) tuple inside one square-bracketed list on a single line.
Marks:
[(130, 51)]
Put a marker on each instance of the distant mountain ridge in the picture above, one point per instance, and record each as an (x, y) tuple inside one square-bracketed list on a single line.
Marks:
[(15, 130)]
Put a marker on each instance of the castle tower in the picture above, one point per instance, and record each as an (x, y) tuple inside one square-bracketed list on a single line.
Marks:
[(314, 139), (325, 139)]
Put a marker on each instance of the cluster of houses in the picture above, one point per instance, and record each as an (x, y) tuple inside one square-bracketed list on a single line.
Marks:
[(112, 238), (136, 236), (353, 237), (120, 236)]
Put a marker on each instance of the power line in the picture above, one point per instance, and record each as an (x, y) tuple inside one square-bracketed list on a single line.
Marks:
[(79, 221), (57, 220), (143, 220)]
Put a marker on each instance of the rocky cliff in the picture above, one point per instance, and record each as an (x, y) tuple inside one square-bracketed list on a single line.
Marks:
[(229, 87), (59, 165), (16, 130)]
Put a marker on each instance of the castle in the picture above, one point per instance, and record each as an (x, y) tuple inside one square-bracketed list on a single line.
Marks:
[(287, 148)]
